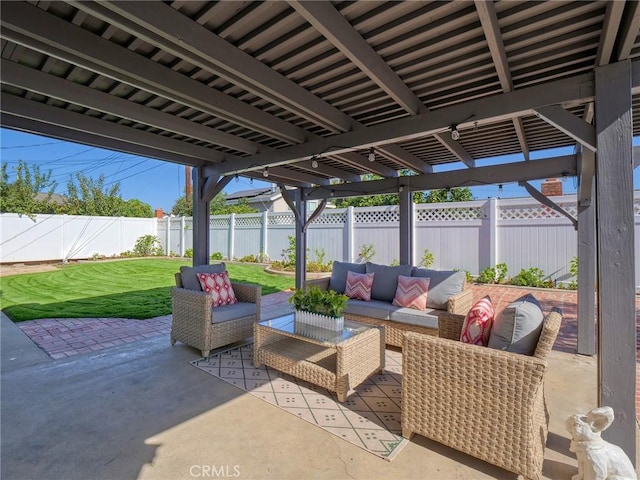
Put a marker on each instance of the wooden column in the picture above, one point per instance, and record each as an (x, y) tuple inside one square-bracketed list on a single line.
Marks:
[(406, 227), (200, 221), (587, 260), (615, 251), (301, 239)]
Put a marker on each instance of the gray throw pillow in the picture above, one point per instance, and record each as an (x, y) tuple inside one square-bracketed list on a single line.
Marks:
[(517, 329), (338, 280), (385, 280), (189, 278), (443, 284)]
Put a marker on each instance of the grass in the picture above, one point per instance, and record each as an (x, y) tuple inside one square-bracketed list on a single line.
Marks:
[(120, 289)]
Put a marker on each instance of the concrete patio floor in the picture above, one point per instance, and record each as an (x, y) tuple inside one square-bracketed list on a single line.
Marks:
[(140, 410)]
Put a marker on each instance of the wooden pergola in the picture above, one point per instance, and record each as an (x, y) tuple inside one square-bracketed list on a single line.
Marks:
[(306, 94)]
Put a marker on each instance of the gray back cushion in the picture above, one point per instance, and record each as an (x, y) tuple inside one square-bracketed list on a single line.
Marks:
[(190, 280), (443, 284), (385, 280), (517, 329), (338, 280)]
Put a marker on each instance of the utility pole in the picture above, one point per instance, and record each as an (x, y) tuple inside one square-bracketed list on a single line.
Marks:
[(187, 180)]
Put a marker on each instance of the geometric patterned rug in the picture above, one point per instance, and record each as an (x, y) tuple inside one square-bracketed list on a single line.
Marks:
[(369, 418)]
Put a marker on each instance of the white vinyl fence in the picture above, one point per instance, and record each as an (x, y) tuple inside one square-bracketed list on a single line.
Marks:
[(466, 235)]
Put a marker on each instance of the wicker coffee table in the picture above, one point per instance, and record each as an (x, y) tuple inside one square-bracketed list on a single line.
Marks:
[(335, 360)]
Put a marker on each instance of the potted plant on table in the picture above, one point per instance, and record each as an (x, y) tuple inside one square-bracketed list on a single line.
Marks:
[(321, 308)]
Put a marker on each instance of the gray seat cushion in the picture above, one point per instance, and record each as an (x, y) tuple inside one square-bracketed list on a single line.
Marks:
[(423, 318), (338, 280), (443, 284), (373, 308), (233, 311), (517, 329), (189, 278), (385, 280)]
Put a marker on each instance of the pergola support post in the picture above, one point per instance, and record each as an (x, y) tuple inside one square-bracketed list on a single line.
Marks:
[(301, 239), (406, 227), (204, 189), (615, 250), (586, 259)]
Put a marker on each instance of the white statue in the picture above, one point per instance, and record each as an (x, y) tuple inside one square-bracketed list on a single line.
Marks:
[(597, 458)]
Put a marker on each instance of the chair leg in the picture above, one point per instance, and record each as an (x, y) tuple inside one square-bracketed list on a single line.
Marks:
[(205, 353), (407, 434), (173, 341)]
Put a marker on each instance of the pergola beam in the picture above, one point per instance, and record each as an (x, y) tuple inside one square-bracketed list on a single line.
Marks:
[(59, 88), (42, 112), (566, 122), (76, 136), (34, 28), (457, 149), (324, 17), (610, 28), (628, 32), (575, 90), (563, 166)]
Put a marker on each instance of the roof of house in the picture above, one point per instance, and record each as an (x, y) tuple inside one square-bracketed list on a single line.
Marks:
[(255, 194)]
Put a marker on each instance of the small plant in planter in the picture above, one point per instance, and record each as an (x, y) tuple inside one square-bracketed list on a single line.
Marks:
[(316, 300)]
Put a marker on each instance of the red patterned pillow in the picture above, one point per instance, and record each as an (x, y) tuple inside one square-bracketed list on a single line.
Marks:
[(412, 292), (219, 287), (359, 285), (477, 325)]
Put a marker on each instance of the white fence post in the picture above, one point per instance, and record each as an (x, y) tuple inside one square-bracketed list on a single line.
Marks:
[(349, 234), (264, 237), (182, 226), (168, 236), (232, 235), (493, 231)]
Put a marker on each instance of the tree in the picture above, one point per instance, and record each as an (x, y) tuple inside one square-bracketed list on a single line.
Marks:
[(136, 208), (184, 208), (87, 196), (461, 194), (20, 196)]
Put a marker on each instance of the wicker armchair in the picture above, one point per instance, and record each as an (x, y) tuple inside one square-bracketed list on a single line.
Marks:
[(487, 403), (195, 323)]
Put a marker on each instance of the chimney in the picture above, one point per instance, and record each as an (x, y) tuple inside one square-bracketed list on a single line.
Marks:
[(159, 213), (552, 187)]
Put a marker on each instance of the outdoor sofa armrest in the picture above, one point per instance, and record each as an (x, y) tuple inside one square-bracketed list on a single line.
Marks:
[(450, 325), (191, 306), (248, 292), (322, 283), (460, 303)]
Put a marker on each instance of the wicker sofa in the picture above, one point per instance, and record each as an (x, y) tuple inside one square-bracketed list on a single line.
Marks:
[(485, 402), (449, 297), (199, 325)]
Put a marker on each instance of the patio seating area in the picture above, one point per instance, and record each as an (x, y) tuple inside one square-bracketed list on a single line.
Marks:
[(169, 420)]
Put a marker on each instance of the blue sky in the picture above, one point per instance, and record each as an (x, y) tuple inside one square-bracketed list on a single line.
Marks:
[(160, 183)]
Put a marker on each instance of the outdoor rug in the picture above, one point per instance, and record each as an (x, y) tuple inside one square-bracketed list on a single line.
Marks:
[(369, 418)]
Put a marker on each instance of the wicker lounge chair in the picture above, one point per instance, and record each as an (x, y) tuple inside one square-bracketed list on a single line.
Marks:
[(487, 403), (199, 325)]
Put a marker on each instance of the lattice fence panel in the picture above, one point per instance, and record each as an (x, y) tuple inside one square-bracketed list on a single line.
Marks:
[(453, 214), (532, 212), (219, 221), (253, 221), (376, 216), (281, 219), (331, 218)]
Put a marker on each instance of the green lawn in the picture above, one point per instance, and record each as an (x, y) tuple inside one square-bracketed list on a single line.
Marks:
[(111, 289)]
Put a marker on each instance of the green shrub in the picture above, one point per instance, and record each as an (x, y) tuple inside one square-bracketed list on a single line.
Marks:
[(573, 268), (427, 259), (147, 246), (249, 258), (216, 256), (366, 253), (493, 275), (188, 253), (532, 277)]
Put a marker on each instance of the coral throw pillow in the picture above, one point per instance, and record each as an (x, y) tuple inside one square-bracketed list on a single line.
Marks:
[(359, 285), (477, 325), (218, 286), (412, 292)]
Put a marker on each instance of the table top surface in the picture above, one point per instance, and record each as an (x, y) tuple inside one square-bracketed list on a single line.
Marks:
[(288, 325)]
